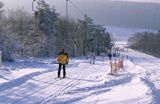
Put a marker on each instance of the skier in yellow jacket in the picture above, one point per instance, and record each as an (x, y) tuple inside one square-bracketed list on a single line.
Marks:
[(62, 60)]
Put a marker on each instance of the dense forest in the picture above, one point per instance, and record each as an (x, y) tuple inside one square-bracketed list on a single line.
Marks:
[(147, 42), (43, 33)]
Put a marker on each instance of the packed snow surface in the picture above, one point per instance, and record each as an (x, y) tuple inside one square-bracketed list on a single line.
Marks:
[(34, 81)]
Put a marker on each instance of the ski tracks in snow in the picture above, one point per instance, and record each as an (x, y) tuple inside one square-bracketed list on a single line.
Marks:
[(75, 79), (41, 87), (151, 78), (84, 83)]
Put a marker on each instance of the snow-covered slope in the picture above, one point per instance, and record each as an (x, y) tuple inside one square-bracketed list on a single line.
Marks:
[(35, 81)]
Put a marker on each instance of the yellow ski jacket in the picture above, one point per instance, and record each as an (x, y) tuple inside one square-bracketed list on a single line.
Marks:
[(63, 58)]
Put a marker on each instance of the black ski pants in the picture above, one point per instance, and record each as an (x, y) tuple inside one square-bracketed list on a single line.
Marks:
[(64, 70)]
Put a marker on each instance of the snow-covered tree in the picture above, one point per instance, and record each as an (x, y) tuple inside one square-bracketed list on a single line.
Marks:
[(24, 28), (6, 45), (92, 37), (47, 18), (45, 34)]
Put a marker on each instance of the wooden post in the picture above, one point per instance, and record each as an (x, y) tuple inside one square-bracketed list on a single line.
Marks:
[(122, 66), (115, 69), (111, 67)]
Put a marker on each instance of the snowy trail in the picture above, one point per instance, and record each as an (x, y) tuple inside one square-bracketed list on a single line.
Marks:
[(126, 88), (45, 86), (152, 66), (85, 84)]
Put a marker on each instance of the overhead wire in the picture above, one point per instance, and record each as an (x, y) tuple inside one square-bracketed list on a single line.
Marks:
[(77, 8), (50, 18), (71, 2)]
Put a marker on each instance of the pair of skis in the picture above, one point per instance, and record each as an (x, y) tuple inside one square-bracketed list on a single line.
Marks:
[(61, 78)]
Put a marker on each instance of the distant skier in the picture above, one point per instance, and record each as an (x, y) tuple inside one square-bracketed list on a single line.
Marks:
[(110, 56), (114, 54), (102, 56), (62, 59), (92, 58)]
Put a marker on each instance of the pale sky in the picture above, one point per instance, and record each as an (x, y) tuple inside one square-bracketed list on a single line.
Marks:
[(103, 11), (59, 4)]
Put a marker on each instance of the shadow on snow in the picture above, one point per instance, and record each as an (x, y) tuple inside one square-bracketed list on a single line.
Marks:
[(93, 90)]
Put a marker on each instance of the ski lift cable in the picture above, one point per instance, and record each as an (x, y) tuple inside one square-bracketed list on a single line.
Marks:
[(76, 7), (50, 19), (71, 2)]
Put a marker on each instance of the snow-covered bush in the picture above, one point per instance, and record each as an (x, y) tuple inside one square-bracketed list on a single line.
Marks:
[(7, 46)]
